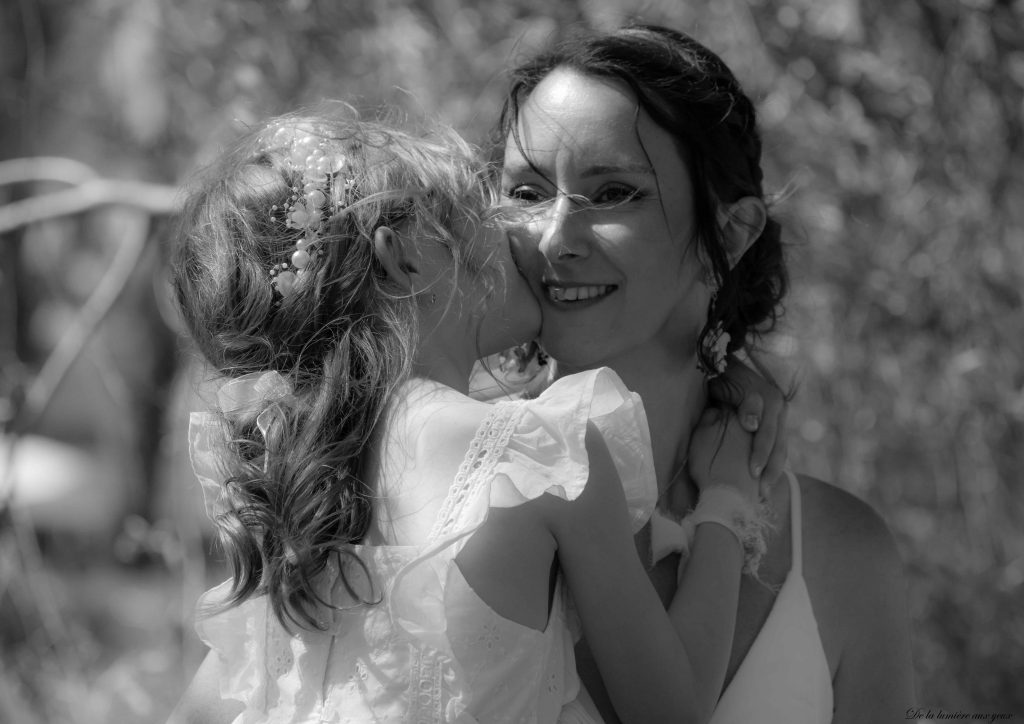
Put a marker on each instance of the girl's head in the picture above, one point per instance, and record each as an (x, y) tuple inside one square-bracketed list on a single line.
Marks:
[(279, 267), (649, 133), (329, 181)]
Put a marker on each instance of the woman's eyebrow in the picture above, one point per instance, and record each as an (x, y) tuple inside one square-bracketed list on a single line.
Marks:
[(516, 166), (605, 169)]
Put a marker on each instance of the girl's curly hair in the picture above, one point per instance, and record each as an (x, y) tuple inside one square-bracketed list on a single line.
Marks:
[(344, 338)]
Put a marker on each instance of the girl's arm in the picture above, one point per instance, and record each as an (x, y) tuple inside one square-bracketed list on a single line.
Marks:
[(718, 453), (652, 669), (760, 406)]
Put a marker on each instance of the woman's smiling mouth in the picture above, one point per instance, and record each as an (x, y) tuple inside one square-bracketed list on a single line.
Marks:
[(578, 293)]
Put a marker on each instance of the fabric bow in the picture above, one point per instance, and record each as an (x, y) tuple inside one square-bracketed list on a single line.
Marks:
[(251, 392)]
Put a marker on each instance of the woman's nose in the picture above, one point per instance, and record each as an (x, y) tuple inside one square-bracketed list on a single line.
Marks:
[(562, 236)]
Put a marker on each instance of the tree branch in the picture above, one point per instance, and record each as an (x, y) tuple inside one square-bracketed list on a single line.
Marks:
[(157, 199), (97, 306), (45, 168)]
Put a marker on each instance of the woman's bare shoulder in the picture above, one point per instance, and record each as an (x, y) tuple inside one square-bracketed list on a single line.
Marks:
[(854, 574), (837, 516), (848, 543)]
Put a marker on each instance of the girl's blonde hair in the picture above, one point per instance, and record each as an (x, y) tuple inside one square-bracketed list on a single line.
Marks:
[(344, 337)]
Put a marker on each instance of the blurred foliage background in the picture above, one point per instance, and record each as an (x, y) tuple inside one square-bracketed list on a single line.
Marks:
[(894, 129)]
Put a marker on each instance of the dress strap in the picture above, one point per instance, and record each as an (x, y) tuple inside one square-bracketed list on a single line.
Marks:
[(477, 466), (796, 524)]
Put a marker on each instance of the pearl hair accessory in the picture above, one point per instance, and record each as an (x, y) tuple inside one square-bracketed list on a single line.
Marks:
[(315, 199)]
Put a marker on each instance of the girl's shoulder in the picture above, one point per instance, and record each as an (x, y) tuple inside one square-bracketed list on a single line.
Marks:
[(554, 423), (525, 447), (436, 422)]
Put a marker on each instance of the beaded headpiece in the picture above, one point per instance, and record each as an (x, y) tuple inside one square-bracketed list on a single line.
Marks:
[(319, 194)]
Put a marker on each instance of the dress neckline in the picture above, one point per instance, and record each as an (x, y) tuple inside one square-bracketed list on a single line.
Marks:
[(784, 676)]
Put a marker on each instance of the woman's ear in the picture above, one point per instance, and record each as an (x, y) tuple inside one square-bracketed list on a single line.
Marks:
[(388, 249), (741, 223)]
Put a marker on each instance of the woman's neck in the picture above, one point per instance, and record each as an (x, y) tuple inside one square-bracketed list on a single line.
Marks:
[(674, 395)]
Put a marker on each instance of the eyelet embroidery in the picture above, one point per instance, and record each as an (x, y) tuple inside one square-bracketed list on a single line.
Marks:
[(425, 702), (489, 635), (279, 652), (488, 444)]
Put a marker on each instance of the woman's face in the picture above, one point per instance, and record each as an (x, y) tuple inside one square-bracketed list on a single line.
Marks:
[(606, 233)]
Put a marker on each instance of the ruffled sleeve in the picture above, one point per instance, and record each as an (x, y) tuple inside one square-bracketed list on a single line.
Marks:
[(244, 639), (524, 449), (547, 451)]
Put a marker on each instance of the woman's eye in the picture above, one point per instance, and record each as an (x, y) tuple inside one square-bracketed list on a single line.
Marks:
[(523, 194), (617, 194)]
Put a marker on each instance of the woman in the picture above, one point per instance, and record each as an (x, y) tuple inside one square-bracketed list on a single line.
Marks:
[(633, 160)]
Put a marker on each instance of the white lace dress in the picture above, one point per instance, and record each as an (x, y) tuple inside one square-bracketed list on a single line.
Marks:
[(432, 650)]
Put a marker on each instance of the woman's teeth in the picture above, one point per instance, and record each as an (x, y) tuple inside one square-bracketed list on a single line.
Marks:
[(577, 294)]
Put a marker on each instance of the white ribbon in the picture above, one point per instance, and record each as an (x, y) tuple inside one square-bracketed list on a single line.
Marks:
[(237, 397)]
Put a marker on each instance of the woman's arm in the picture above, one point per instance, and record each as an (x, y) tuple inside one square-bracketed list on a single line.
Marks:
[(719, 450), (652, 670), (855, 577), (874, 681)]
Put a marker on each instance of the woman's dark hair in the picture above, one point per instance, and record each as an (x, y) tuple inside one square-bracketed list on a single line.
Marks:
[(690, 93), (296, 493)]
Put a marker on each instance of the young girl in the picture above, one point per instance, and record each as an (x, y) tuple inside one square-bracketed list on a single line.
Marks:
[(399, 549)]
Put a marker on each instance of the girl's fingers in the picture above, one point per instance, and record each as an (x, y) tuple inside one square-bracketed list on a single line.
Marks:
[(778, 457), (765, 441), (751, 411)]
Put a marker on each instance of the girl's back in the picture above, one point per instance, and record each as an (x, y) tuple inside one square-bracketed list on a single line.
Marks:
[(470, 615)]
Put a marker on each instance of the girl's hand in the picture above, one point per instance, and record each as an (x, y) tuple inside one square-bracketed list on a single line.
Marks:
[(719, 451), (761, 409)]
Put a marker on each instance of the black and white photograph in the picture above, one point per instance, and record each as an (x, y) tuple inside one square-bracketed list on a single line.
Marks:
[(507, 361)]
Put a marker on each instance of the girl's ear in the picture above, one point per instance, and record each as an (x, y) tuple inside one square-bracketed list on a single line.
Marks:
[(741, 223), (388, 249)]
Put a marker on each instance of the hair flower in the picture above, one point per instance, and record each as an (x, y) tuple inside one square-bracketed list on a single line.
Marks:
[(715, 347)]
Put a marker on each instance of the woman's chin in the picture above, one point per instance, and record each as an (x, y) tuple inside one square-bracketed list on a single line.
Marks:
[(571, 355)]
